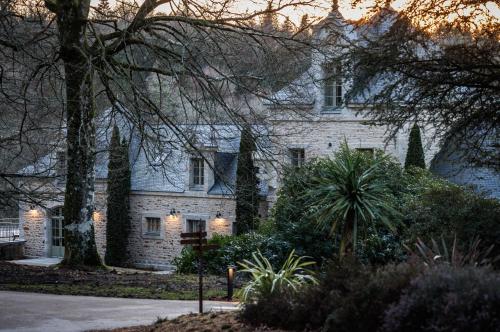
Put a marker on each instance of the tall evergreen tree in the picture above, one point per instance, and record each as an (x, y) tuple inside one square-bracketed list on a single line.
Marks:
[(118, 221), (103, 10), (287, 27), (269, 21), (247, 192), (415, 154), (304, 26)]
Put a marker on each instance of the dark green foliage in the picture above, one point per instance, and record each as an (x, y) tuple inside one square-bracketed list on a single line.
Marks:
[(247, 192), (275, 311), (349, 297), (292, 218), (367, 296), (415, 153), (295, 220), (448, 299), (435, 208), (118, 220), (350, 194), (233, 249)]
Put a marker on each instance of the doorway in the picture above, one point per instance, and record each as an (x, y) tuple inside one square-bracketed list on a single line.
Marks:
[(57, 232)]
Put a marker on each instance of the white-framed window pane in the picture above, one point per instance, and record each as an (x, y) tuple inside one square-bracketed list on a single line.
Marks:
[(333, 85), (198, 171), (153, 225)]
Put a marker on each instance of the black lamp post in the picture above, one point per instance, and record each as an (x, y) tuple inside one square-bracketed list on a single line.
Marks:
[(231, 270)]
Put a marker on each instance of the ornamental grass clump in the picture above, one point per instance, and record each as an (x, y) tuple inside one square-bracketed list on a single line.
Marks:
[(265, 281)]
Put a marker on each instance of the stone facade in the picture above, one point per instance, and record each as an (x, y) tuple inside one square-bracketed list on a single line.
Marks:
[(161, 249), (35, 224), (144, 250)]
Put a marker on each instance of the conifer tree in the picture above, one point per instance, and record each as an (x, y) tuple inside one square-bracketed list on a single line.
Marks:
[(269, 21), (103, 10), (118, 221), (287, 27), (247, 192), (415, 154), (304, 26)]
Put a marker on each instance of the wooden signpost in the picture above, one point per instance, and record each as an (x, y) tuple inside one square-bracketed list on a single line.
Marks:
[(198, 240)]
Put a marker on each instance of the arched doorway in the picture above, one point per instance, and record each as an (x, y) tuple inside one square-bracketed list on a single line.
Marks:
[(56, 232)]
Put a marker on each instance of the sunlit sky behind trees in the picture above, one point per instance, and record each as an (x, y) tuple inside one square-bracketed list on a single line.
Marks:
[(316, 10)]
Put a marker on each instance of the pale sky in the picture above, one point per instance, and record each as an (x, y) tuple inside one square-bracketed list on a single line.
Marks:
[(321, 9)]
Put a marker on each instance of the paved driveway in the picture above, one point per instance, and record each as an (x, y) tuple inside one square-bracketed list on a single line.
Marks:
[(43, 312)]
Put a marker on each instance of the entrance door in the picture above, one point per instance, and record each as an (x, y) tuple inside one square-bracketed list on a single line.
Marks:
[(57, 233)]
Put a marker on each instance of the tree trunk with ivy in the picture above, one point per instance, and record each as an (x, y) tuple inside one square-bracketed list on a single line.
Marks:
[(80, 247)]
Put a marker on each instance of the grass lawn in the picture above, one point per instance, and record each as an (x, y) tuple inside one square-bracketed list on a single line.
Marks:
[(209, 322), (111, 283)]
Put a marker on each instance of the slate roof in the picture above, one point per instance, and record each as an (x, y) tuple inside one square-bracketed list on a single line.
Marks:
[(224, 140)]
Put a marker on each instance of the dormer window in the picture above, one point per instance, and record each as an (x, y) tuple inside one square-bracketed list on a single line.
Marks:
[(197, 173), (332, 86)]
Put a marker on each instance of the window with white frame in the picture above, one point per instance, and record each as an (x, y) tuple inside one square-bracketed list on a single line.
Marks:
[(197, 173), (297, 157), (196, 225), (332, 85), (153, 226)]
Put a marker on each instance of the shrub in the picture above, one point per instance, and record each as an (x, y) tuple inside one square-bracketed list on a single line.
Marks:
[(265, 282), (368, 296), (434, 207), (349, 195), (415, 154), (442, 253), (295, 220), (448, 299), (232, 249)]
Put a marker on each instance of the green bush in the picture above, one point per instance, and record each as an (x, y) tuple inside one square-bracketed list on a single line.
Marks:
[(233, 249), (295, 222), (265, 282), (434, 207), (348, 297), (368, 296), (448, 299)]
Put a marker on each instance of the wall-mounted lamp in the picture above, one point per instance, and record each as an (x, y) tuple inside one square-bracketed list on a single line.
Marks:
[(32, 206), (173, 213), (218, 215)]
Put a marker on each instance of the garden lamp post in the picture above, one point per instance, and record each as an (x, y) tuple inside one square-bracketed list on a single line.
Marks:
[(231, 269)]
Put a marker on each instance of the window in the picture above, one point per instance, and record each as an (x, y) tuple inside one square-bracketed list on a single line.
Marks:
[(197, 172), (153, 226), (196, 225), (368, 151), (297, 157), (333, 85)]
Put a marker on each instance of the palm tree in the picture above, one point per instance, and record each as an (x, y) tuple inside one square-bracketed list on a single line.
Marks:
[(350, 194)]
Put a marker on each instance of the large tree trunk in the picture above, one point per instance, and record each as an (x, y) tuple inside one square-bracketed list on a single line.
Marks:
[(80, 247)]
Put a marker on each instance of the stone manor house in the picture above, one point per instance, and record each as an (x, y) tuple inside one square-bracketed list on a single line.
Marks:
[(193, 194)]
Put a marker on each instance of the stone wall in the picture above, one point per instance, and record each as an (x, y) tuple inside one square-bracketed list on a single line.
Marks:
[(159, 251), (35, 224)]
